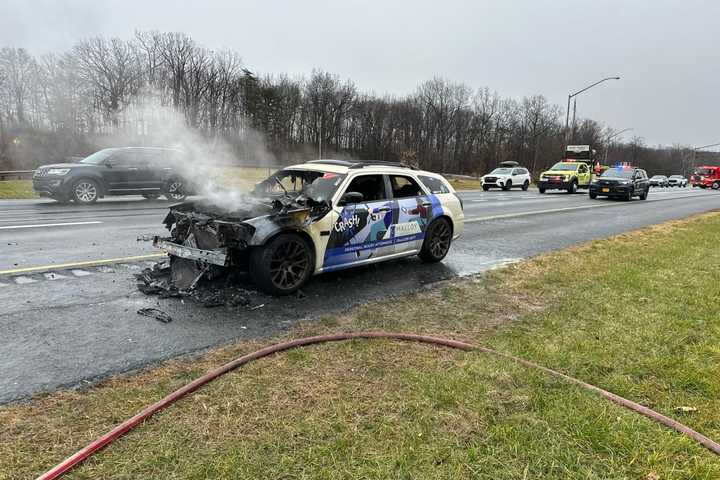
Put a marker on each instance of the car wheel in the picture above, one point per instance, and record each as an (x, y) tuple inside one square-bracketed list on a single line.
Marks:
[(436, 245), (151, 196), (644, 195), (283, 265), (507, 186), (485, 188), (525, 186), (174, 191), (628, 196), (85, 191), (541, 190), (716, 185), (593, 195), (573, 187)]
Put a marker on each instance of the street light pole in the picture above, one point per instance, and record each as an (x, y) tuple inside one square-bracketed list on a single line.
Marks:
[(607, 147), (572, 95)]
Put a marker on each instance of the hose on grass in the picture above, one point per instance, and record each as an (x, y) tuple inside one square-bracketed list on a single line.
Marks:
[(123, 428)]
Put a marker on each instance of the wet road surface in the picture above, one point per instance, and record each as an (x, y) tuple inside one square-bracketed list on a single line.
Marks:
[(72, 326)]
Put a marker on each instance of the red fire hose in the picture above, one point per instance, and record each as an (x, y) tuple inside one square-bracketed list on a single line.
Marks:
[(128, 425)]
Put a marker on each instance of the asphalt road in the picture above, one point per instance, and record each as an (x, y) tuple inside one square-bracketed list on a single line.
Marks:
[(72, 325)]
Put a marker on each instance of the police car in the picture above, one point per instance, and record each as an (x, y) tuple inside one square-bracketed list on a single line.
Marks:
[(320, 216)]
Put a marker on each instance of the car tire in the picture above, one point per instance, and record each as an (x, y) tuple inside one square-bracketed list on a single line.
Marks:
[(507, 186), (525, 186), (85, 191), (541, 190), (282, 265), (593, 195), (643, 196), (151, 196), (716, 185), (628, 196), (573, 187), (174, 191), (485, 188), (438, 238)]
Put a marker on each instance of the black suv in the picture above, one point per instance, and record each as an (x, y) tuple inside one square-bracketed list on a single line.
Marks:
[(621, 182), (145, 171)]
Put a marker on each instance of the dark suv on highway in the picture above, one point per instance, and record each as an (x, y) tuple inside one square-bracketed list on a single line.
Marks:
[(145, 171), (621, 182)]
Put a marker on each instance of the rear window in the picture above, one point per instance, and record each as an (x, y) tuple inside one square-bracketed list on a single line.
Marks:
[(435, 185)]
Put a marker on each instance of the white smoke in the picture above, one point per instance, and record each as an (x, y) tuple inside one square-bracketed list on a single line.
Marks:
[(210, 154)]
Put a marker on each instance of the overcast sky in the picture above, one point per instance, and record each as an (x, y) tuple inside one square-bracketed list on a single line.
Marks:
[(665, 51)]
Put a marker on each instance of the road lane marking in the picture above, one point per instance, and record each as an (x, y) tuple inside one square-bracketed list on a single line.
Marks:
[(566, 209), (42, 225), (62, 266)]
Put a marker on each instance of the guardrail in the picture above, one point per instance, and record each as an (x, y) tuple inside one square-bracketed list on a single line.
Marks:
[(16, 175)]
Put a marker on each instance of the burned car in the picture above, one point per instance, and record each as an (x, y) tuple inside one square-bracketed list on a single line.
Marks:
[(316, 217)]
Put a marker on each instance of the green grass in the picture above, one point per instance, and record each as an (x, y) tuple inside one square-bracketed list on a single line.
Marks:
[(16, 189), (636, 314)]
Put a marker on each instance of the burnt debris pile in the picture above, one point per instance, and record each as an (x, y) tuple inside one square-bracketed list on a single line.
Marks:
[(205, 286)]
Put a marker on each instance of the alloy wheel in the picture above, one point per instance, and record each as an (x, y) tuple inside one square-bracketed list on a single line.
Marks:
[(289, 264), (174, 191), (440, 239), (86, 192)]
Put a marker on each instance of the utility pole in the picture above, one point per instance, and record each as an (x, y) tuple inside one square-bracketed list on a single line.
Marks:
[(320, 141)]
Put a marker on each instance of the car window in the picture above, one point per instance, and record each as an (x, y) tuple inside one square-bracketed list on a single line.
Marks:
[(435, 185), (372, 187), (147, 158), (523, 171), (582, 168), (123, 158), (404, 187)]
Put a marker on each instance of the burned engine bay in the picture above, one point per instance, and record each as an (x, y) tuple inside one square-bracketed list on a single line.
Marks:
[(209, 244)]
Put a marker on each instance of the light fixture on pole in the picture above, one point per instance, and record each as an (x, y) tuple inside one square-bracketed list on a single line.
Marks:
[(572, 95)]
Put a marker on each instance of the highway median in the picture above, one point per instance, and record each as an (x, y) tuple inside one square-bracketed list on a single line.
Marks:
[(635, 314)]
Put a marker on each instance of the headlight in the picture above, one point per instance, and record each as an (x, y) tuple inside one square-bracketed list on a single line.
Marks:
[(58, 171)]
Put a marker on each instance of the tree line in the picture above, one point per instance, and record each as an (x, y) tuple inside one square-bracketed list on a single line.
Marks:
[(109, 92)]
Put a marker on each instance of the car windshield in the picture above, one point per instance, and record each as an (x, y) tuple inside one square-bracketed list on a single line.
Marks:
[(98, 157), (677, 177), (501, 171), (564, 167), (313, 184), (618, 173), (657, 177), (703, 171)]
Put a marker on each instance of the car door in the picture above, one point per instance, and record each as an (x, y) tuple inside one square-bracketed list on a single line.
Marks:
[(361, 231), (150, 174), (583, 174), (122, 171), (414, 210), (641, 181)]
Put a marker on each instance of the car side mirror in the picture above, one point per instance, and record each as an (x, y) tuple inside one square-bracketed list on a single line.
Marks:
[(109, 164), (351, 197)]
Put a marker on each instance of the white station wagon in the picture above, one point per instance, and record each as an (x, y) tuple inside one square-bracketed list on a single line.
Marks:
[(316, 217)]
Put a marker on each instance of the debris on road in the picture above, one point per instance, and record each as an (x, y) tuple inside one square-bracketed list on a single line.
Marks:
[(158, 315), (183, 278)]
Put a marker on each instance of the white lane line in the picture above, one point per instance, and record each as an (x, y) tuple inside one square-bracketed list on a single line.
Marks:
[(43, 225), (566, 209)]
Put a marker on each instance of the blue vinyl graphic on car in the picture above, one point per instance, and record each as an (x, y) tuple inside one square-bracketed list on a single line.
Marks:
[(376, 229)]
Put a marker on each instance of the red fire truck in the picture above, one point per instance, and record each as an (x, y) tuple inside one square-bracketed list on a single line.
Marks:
[(706, 177)]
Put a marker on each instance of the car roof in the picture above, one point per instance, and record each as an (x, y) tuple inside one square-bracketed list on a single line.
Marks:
[(364, 166)]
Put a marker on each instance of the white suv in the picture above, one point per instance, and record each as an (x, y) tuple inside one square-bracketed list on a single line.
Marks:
[(506, 178), (320, 216)]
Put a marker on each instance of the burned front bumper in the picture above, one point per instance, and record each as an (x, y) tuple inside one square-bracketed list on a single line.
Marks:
[(217, 257)]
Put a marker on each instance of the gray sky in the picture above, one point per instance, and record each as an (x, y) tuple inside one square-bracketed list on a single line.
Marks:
[(665, 51)]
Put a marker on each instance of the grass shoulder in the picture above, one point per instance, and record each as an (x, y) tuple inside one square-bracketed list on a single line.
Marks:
[(632, 314)]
